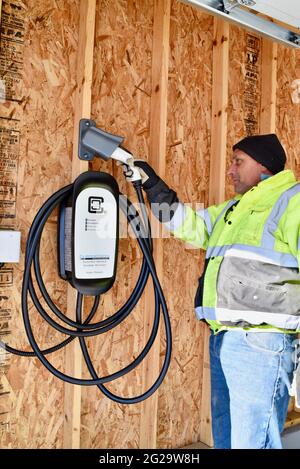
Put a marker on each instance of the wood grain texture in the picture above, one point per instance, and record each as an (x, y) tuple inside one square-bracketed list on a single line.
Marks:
[(288, 105), (82, 107), (187, 171), (122, 90), (268, 87), (244, 91), (157, 159), (220, 74), (46, 127), (121, 103)]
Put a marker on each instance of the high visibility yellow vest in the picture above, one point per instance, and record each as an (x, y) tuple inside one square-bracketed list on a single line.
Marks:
[(252, 248)]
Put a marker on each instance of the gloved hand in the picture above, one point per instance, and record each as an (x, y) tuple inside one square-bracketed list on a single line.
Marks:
[(149, 176), (163, 200)]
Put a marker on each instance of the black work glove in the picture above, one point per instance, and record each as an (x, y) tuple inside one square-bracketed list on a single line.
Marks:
[(163, 200), (149, 176)]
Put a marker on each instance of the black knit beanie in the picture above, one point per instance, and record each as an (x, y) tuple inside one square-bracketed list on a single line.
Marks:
[(266, 149)]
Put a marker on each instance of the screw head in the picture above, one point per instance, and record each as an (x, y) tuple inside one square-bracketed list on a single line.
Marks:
[(85, 156), (248, 3), (87, 124)]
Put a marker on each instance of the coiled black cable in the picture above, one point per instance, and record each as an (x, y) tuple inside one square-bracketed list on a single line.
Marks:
[(141, 229)]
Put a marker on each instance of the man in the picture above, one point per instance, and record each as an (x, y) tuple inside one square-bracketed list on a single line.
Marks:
[(249, 292)]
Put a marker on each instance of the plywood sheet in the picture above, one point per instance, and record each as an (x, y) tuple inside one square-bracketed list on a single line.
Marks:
[(121, 105), (37, 122), (288, 104), (187, 171), (40, 97), (244, 90)]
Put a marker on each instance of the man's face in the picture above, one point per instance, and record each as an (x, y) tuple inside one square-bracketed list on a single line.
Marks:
[(245, 171)]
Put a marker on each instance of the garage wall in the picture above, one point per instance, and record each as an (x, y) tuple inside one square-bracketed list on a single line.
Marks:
[(39, 59)]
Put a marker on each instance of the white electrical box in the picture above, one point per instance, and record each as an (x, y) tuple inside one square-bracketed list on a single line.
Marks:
[(10, 245)]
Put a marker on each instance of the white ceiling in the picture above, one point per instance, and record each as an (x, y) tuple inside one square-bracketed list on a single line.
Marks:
[(287, 11)]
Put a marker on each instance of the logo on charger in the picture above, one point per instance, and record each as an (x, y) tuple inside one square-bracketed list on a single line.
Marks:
[(95, 205)]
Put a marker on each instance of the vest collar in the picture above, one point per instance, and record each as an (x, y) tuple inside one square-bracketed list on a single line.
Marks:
[(266, 192)]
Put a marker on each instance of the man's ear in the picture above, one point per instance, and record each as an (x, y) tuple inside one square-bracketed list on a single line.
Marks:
[(265, 170)]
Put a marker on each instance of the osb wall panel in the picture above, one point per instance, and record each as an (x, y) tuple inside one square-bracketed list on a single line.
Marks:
[(31, 400), (120, 104), (11, 66), (187, 171), (243, 90), (288, 104), (45, 110)]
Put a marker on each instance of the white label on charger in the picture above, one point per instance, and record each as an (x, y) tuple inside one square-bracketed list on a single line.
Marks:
[(95, 233)]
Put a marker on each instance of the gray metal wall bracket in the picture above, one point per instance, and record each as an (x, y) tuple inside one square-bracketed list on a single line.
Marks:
[(93, 141)]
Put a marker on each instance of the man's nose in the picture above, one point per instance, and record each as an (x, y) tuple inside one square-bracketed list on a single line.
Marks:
[(232, 170)]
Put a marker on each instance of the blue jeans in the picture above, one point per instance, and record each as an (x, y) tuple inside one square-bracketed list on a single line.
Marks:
[(251, 373)]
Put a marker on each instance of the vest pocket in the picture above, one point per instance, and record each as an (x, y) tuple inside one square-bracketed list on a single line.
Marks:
[(246, 294), (251, 227), (246, 285)]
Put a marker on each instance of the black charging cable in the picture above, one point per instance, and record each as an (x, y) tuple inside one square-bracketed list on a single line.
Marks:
[(85, 329)]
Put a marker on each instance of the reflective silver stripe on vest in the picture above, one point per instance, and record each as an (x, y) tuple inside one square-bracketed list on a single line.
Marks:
[(266, 247), (204, 214), (256, 318), (180, 215), (268, 239), (227, 207), (275, 257), (178, 218), (203, 312)]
